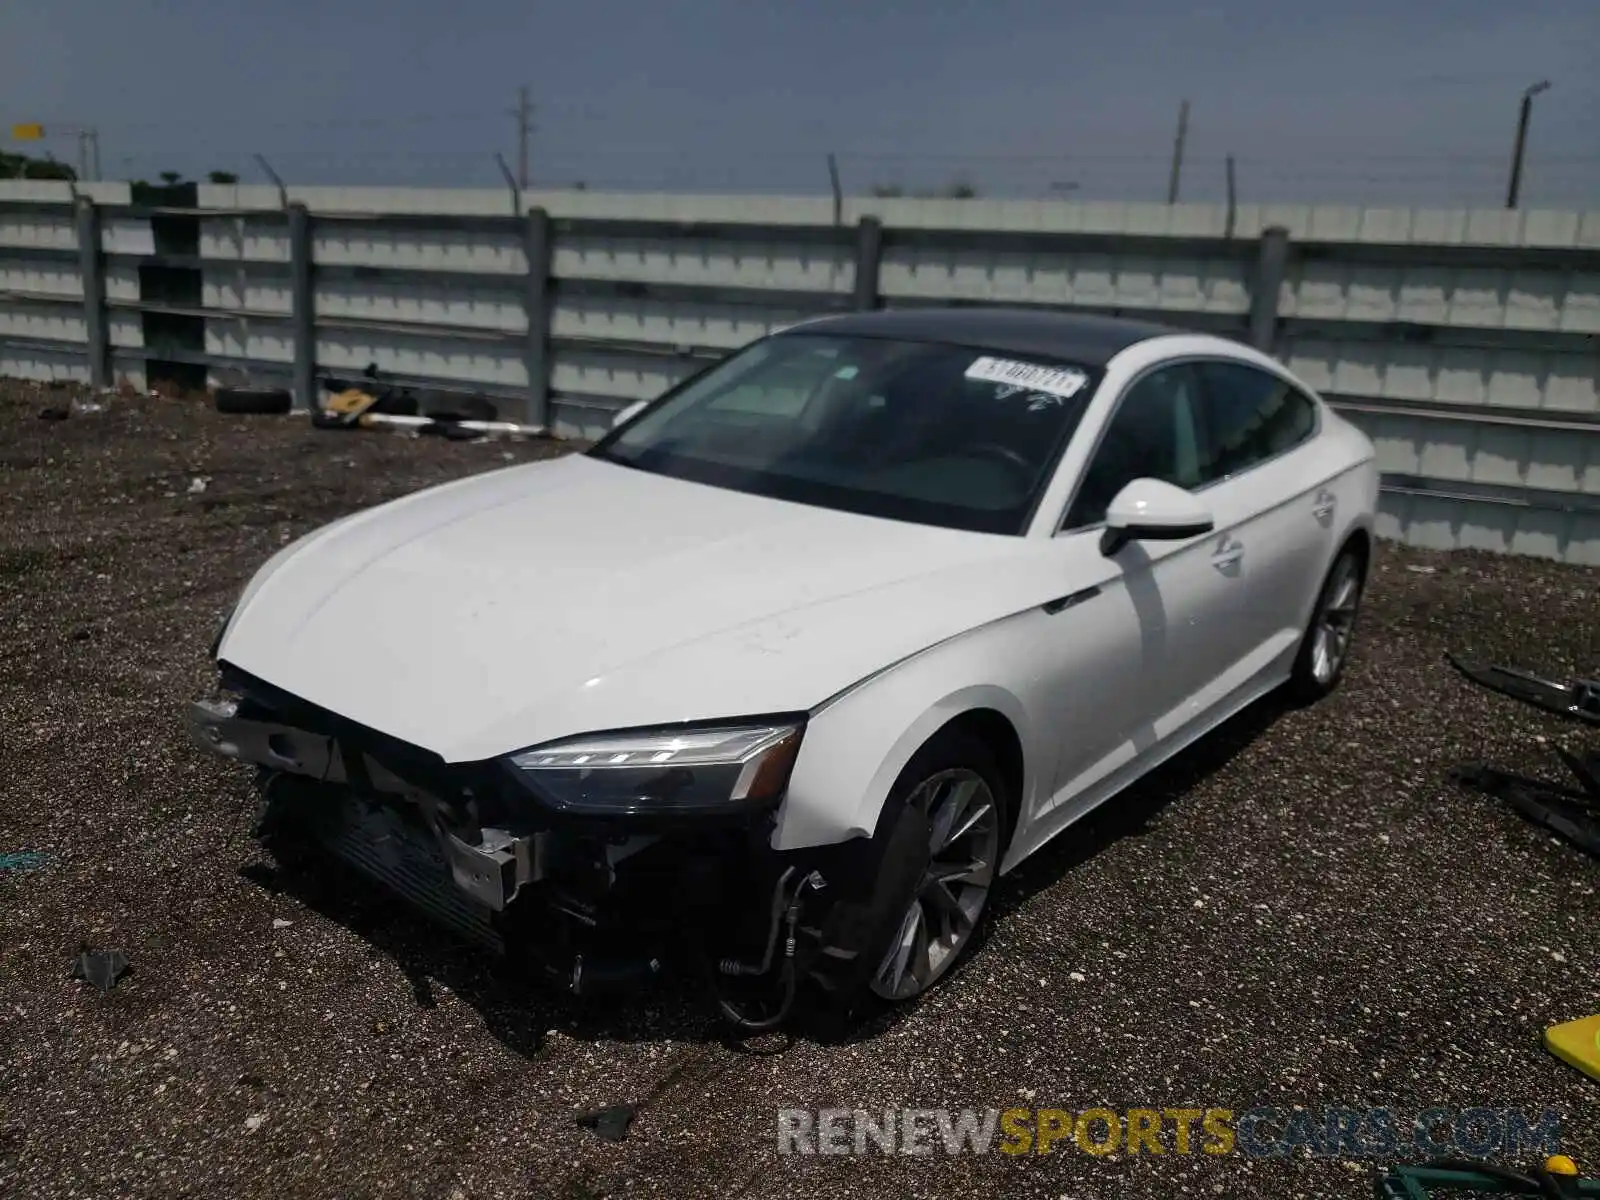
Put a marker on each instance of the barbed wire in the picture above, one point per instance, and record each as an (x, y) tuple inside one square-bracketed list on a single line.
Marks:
[(1319, 167)]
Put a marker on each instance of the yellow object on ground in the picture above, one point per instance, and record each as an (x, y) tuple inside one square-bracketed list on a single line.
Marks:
[(1577, 1043), (351, 400), (1560, 1164)]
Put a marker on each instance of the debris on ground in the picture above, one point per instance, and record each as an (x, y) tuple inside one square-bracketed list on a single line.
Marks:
[(1577, 1043), (23, 860), (610, 1123), (1571, 812), (100, 968)]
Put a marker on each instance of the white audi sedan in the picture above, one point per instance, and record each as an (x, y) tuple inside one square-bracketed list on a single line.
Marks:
[(806, 653)]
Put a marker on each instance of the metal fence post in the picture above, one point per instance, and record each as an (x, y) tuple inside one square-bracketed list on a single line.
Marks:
[(303, 311), (91, 266), (536, 303), (869, 255), (1272, 260)]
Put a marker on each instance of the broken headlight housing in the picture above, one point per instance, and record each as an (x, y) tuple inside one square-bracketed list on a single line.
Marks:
[(720, 769)]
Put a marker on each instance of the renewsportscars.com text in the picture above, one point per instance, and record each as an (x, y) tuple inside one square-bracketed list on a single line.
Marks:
[(1261, 1132)]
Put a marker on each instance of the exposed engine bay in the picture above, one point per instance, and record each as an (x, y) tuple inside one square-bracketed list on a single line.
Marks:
[(599, 904)]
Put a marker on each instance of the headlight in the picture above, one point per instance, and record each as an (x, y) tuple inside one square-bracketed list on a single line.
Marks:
[(668, 771)]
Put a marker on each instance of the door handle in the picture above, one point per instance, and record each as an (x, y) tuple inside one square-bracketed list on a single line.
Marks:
[(1228, 555), (1323, 508)]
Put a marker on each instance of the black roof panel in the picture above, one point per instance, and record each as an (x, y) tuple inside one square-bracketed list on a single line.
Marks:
[(1077, 337)]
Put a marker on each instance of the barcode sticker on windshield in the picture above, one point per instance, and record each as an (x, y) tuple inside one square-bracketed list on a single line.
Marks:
[(1030, 377)]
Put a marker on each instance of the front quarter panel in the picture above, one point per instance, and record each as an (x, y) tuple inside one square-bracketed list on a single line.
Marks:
[(857, 744)]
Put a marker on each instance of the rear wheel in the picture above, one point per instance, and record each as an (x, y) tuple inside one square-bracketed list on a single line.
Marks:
[(1326, 646)]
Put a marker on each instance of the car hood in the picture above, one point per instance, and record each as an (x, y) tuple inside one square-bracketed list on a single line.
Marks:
[(528, 604)]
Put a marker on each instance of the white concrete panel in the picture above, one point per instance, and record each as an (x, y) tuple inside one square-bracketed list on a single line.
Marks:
[(930, 271), (433, 357), (454, 201), (669, 322), (125, 329), (240, 238), (127, 235), (420, 301), (1542, 299), (222, 287), (122, 283), (45, 278), (620, 376), (254, 376), (1502, 455), (1564, 461), (35, 190), (129, 374), (42, 231), (441, 249), (52, 322), (18, 362), (705, 261), (1580, 307), (269, 343), (1558, 381), (588, 419)]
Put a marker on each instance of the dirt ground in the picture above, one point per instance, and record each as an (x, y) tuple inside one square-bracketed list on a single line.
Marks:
[(1300, 912)]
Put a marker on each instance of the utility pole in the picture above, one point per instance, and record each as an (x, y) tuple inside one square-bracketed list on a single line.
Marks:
[(1526, 110), (524, 115), (1177, 152)]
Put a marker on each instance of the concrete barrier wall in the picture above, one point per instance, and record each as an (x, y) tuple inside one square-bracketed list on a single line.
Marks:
[(43, 319), (1467, 343)]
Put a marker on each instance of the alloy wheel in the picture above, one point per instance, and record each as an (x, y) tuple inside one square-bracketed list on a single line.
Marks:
[(964, 846), (1336, 622)]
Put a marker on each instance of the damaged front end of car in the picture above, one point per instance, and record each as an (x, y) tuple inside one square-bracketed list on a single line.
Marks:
[(600, 859)]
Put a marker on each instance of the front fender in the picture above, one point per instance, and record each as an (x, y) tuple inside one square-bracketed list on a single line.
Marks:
[(857, 744)]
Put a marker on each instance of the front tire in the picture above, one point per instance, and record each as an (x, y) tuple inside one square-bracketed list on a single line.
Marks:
[(923, 881), (1325, 648)]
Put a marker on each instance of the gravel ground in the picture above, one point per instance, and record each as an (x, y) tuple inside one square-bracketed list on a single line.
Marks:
[(1301, 911)]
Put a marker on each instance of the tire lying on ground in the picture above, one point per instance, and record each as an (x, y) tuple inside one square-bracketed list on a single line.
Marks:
[(267, 401)]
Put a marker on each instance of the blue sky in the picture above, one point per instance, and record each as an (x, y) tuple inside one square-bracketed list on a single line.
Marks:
[(1389, 101)]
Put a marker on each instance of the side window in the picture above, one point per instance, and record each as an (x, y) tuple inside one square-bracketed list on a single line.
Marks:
[(1153, 434), (1249, 417)]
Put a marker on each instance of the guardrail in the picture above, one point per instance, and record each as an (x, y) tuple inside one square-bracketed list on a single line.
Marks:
[(1466, 343)]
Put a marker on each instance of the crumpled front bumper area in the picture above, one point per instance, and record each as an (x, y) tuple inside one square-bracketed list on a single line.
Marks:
[(475, 851), (490, 865)]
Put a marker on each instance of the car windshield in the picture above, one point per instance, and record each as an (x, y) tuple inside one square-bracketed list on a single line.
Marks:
[(914, 431)]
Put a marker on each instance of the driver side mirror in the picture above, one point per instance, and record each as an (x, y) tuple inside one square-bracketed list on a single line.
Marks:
[(1150, 510), (629, 413)]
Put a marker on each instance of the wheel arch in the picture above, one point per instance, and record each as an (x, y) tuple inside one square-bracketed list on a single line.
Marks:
[(1358, 539), (856, 748)]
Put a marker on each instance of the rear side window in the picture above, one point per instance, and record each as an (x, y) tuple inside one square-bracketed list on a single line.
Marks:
[(1250, 416)]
